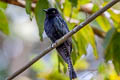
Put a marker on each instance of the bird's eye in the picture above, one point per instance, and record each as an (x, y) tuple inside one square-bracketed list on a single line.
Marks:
[(53, 12)]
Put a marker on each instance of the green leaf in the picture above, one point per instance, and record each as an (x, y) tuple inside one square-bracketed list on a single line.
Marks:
[(81, 64), (40, 15), (81, 16), (3, 5), (74, 13), (85, 37), (28, 6), (95, 8), (108, 37), (3, 23), (54, 75), (82, 43), (60, 60), (89, 36), (101, 68), (75, 51), (73, 2), (39, 66), (107, 0), (95, 24), (115, 17), (67, 8), (82, 2), (103, 22), (107, 44), (112, 51)]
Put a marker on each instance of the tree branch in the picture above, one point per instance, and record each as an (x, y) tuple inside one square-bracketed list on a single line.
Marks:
[(14, 2), (18, 3), (64, 38)]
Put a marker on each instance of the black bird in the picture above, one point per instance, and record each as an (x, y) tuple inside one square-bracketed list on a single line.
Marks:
[(55, 27)]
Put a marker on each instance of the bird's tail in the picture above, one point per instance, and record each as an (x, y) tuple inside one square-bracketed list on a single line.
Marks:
[(72, 73)]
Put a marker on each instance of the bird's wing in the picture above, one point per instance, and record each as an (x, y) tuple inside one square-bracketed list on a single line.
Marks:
[(64, 23), (61, 29), (60, 26)]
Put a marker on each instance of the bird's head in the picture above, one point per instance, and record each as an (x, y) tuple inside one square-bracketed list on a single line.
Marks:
[(51, 12)]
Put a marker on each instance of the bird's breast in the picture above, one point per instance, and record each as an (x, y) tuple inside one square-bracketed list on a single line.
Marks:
[(50, 30)]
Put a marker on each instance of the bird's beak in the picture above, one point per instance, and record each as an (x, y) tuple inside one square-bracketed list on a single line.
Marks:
[(45, 10)]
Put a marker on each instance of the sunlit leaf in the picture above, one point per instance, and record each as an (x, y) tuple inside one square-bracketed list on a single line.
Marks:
[(40, 15), (116, 6), (114, 16), (85, 37), (3, 23), (82, 2), (39, 66), (89, 36), (67, 8), (82, 43), (54, 75), (113, 76), (61, 61), (95, 24), (75, 13), (81, 64), (103, 22), (101, 68)]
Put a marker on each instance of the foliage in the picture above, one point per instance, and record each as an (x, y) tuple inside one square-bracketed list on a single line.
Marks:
[(3, 20), (3, 74), (40, 15), (73, 13), (29, 7), (112, 48), (106, 72)]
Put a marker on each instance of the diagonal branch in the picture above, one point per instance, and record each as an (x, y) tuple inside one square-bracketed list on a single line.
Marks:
[(64, 38)]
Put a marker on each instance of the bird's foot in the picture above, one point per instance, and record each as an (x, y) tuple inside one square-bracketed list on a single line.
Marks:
[(54, 44)]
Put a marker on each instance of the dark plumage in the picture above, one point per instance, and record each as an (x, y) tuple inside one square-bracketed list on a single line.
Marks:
[(55, 27)]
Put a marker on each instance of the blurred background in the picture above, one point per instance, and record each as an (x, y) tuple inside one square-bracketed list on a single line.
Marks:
[(96, 47)]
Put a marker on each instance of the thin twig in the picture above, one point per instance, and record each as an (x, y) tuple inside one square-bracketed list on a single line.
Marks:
[(64, 38)]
